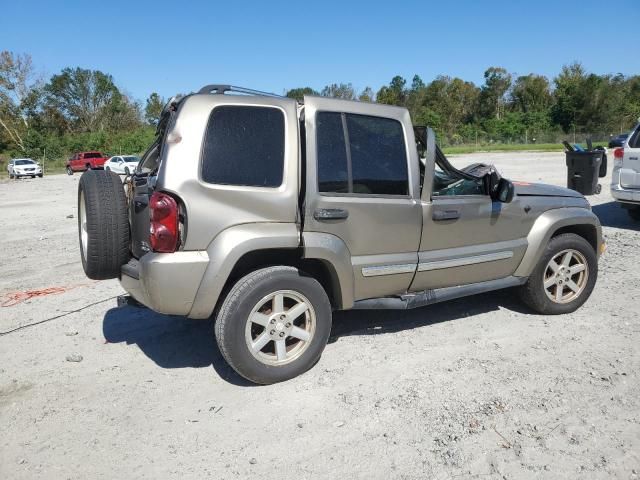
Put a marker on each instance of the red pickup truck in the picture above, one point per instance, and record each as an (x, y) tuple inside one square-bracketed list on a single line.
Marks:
[(85, 161)]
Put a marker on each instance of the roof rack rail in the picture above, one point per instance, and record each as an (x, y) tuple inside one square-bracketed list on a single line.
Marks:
[(222, 89)]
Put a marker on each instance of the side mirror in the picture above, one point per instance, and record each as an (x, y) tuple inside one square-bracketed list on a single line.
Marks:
[(505, 191)]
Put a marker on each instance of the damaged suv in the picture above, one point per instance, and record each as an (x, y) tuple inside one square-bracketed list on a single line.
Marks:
[(268, 214)]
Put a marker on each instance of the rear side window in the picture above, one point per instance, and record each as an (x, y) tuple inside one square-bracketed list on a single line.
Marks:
[(361, 154), (244, 146), (333, 174)]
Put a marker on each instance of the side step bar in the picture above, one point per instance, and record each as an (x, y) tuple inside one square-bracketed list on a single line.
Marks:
[(437, 295)]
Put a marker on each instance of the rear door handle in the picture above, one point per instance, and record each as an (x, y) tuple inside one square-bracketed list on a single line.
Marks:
[(330, 214), (446, 215)]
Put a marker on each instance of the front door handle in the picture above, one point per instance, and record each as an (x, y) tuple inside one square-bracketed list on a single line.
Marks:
[(446, 215), (633, 158), (321, 214)]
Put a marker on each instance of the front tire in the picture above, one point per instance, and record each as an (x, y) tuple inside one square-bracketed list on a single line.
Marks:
[(273, 325), (69, 171), (564, 277)]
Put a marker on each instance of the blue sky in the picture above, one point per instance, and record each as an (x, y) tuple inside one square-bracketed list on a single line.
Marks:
[(172, 47)]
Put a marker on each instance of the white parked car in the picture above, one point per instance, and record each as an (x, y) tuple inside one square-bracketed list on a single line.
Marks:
[(122, 164), (24, 167), (625, 179)]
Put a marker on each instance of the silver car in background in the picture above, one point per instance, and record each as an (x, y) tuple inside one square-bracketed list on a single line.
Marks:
[(625, 178), (24, 167), (122, 164)]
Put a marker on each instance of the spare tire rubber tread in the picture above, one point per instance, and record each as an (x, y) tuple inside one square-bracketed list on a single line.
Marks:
[(107, 224)]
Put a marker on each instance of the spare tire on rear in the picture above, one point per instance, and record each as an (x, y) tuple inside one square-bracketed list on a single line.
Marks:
[(103, 224)]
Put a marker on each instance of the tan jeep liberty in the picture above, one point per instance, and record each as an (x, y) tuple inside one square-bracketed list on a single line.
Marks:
[(269, 214)]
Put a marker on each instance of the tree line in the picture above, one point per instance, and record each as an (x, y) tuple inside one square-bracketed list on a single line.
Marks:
[(507, 107), (81, 109)]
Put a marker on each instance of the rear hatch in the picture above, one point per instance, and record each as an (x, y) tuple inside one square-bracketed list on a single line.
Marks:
[(142, 186), (630, 170)]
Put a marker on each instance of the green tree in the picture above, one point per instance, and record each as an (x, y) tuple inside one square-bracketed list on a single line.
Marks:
[(492, 96), (153, 108), (83, 97), (19, 97), (531, 93), (394, 93), (344, 91), (366, 95), (299, 93)]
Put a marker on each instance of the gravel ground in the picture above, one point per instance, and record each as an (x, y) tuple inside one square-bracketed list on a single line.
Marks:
[(474, 388)]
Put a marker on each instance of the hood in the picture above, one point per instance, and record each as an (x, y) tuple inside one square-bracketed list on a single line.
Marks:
[(543, 190)]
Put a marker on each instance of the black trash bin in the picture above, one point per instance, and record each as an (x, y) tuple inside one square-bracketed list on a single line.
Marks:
[(583, 171)]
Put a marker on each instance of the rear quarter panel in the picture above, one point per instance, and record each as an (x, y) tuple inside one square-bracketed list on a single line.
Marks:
[(211, 208)]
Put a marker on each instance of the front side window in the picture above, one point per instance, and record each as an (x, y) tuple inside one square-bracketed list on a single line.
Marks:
[(451, 183), (361, 154), (244, 145)]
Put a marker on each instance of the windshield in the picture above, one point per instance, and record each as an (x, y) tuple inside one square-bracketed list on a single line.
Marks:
[(131, 159), (24, 162)]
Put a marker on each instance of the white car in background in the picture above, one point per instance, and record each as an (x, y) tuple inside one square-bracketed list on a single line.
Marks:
[(122, 164), (24, 167), (625, 179)]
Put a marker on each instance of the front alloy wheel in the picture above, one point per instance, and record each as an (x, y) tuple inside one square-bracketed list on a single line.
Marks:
[(566, 276)]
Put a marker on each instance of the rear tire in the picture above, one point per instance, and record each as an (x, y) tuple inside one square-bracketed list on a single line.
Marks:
[(69, 171), (302, 334), (11, 176), (103, 224), (551, 275), (127, 171)]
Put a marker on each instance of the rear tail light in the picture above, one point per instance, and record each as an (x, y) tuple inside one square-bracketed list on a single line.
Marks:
[(618, 155), (164, 233)]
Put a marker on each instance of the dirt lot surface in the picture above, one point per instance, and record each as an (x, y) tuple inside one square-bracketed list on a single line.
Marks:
[(474, 388)]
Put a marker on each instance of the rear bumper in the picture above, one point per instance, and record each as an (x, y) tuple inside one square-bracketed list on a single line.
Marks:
[(625, 195), (165, 282)]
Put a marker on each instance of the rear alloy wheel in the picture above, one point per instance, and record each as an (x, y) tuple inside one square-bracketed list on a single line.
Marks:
[(564, 277), (103, 224), (274, 324), (69, 171)]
